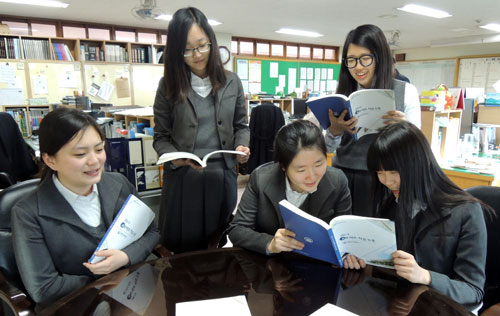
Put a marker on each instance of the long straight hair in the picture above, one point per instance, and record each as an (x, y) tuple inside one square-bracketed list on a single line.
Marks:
[(402, 147), (372, 38), (176, 72)]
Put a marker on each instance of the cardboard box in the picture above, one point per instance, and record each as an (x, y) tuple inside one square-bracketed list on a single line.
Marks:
[(4, 29)]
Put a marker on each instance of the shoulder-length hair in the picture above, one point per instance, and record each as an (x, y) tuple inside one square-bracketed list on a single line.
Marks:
[(295, 136), (402, 147), (176, 72), (59, 127), (372, 38)]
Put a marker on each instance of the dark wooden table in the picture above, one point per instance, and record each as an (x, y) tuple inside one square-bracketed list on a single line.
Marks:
[(280, 285)]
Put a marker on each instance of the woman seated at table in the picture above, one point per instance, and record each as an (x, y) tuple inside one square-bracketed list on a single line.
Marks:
[(300, 175), (441, 233), (57, 228)]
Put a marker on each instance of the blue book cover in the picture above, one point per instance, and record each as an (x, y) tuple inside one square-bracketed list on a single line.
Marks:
[(320, 106), (368, 238), (313, 232)]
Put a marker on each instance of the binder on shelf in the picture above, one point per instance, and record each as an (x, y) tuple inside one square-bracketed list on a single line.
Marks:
[(150, 155), (116, 155), (144, 177), (134, 151)]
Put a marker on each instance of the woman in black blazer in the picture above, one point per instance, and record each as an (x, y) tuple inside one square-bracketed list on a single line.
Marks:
[(299, 174), (57, 228)]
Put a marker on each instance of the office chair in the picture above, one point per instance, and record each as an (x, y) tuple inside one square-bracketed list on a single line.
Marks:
[(265, 121), (12, 293), (491, 196), (5, 180), (299, 109)]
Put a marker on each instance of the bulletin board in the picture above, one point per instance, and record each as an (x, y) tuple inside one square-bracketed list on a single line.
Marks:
[(104, 75), (13, 89), (426, 75), (481, 72), (286, 76), (145, 80), (54, 80)]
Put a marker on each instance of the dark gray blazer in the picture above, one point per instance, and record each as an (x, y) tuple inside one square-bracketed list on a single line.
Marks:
[(176, 125), (51, 241), (457, 262), (258, 216)]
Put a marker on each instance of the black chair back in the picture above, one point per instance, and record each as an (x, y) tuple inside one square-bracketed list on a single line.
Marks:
[(8, 198), (491, 196), (5, 180), (265, 121)]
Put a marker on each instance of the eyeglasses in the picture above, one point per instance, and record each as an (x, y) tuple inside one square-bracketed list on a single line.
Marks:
[(188, 52), (364, 60)]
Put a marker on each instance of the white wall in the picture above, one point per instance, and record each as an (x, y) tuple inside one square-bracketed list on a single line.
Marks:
[(450, 51)]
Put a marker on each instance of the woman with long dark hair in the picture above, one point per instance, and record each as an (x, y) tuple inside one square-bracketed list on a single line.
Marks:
[(299, 174), (56, 229), (441, 232), (199, 108), (366, 64)]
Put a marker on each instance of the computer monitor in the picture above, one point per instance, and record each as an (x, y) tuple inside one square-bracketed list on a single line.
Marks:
[(299, 108)]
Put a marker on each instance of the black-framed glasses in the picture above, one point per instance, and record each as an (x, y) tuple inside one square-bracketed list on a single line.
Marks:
[(188, 52), (364, 60)]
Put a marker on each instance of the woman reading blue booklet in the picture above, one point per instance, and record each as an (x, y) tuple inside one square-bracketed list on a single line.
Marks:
[(367, 105), (367, 238)]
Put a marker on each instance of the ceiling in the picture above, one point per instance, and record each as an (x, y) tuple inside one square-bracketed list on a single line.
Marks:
[(332, 18)]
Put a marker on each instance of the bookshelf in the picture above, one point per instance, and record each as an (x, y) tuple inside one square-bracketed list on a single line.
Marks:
[(443, 138), (26, 47), (27, 117)]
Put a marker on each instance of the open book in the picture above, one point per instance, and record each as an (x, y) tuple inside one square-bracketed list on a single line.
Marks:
[(203, 162), (367, 105), (370, 239), (128, 226)]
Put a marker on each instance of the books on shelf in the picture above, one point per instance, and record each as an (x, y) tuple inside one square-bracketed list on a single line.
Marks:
[(61, 51), (185, 155), (370, 239), (10, 48), (36, 48), (367, 105), (129, 225)]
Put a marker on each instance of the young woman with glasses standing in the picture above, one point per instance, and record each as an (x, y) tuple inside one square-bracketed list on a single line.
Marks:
[(366, 64), (199, 108)]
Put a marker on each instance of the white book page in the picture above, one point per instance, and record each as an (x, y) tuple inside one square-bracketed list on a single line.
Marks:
[(300, 212), (370, 239), (178, 155), (369, 106), (227, 306), (129, 225), (236, 152), (330, 309)]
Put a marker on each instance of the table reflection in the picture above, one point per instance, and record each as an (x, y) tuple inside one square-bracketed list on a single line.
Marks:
[(280, 285)]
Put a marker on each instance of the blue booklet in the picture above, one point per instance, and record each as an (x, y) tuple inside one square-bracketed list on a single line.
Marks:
[(368, 238), (367, 105)]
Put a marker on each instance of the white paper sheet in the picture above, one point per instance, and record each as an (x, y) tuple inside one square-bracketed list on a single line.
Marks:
[(227, 306), (273, 70), (40, 84), (105, 90)]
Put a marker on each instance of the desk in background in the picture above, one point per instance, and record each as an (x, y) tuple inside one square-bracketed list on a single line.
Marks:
[(287, 284)]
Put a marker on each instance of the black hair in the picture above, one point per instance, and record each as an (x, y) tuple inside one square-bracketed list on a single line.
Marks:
[(402, 147), (59, 127), (177, 73), (295, 136), (372, 38)]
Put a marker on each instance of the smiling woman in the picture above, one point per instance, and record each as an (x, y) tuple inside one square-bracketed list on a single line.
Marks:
[(300, 175), (59, 226)]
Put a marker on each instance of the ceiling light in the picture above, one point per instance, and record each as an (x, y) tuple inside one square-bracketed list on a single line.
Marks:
[(299, 33), (492, 26), (418, 9), (168, 17), (45, 3)]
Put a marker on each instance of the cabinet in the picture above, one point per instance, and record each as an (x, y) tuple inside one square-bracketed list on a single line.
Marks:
[(442, 131)]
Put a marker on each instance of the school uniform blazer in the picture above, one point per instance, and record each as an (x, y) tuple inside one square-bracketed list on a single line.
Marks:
[(176, 125), (457, 262), (51, 241), (259, 217)]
